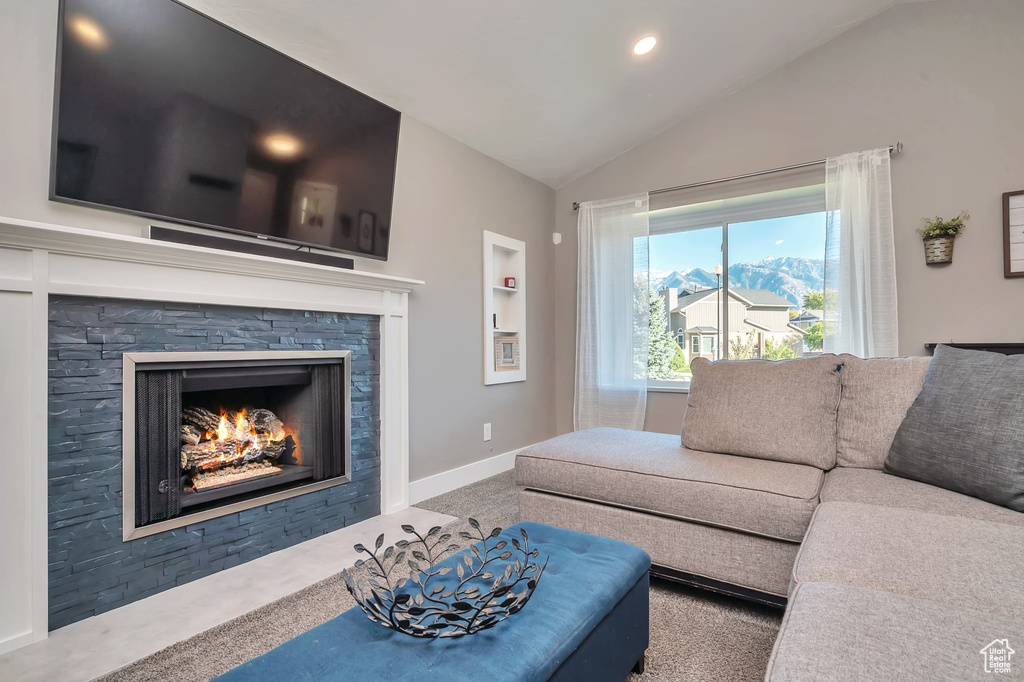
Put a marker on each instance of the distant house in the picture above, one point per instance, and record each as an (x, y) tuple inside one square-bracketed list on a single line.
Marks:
[(694, 318), (808, 318)]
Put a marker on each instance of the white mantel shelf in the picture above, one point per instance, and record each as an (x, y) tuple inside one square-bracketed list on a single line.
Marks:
[(79, 242), (38, 260)]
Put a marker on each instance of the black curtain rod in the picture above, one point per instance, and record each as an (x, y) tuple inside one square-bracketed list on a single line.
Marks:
[(893, 149)]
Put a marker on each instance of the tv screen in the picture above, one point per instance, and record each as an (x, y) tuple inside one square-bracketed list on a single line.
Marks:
[(163, 112)]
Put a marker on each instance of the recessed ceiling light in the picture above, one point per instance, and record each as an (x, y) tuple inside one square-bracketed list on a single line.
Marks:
[(645, 45), (282, 145), (88, 32)]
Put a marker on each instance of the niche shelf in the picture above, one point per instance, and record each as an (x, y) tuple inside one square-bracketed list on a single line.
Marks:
[(504, 257)]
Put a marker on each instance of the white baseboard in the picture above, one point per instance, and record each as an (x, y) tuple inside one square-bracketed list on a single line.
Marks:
[(18, 641), (446, 481)]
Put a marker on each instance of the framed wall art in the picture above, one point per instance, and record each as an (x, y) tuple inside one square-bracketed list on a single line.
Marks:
[(506, 354)]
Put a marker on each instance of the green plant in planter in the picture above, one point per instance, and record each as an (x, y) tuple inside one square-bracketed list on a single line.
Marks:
[(938, 235), (940, 227)]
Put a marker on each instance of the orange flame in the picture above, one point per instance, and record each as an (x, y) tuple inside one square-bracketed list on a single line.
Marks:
[(242, 433), (240, 423)]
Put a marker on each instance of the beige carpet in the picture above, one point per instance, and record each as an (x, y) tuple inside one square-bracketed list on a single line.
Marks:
[(695, 635)]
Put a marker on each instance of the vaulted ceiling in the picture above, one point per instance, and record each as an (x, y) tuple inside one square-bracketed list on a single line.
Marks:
[(548, 87)]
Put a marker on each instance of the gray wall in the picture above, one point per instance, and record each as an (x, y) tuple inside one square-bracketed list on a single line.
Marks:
[(446, 195), (944, 78)]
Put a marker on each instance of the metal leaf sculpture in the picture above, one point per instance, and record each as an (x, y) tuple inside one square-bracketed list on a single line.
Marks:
[(446, 597)]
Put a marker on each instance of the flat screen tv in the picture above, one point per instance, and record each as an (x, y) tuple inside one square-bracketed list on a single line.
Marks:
[(165, 113)]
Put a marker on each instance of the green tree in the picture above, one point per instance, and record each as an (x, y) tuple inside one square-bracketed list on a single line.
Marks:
[(679, 364), (781, 350), (817, 300), (815, 338), (641, 325), (662, 347)]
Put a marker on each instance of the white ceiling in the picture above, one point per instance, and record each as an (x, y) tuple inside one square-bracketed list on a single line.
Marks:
[(549, 87)]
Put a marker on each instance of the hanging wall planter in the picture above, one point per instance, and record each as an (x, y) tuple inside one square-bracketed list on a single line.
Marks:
[(938, 250), (939, 235)]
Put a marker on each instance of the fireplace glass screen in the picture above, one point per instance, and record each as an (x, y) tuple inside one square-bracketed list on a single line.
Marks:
[(216, 432)]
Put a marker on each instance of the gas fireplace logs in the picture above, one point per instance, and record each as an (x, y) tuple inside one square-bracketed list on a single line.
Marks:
[(221, 449), (190, 434), (265, 421), (206, 421)]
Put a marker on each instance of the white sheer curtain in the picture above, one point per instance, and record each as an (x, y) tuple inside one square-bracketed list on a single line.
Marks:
[(613, 313), (860, 260)]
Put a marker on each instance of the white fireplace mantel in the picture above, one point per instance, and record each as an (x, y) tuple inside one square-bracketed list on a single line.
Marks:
[(39, 259)]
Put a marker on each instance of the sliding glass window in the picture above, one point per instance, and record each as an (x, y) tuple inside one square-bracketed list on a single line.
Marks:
[(738, 270)]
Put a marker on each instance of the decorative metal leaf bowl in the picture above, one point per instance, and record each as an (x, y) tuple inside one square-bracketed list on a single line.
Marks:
[(447, 595)]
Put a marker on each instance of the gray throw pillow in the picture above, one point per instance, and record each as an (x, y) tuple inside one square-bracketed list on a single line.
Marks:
[(965, 430)]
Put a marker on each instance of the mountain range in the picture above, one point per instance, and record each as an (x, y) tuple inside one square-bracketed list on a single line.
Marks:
[(789, 277)]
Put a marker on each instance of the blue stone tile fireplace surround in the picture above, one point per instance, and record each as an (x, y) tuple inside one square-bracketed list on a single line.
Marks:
[(91, 569)]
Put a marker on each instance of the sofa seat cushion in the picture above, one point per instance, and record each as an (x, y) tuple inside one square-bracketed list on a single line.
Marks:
[(963, 562), (876, 395), (785, 410), (727, 557), (840, 632), (885, 490), (650, 472)]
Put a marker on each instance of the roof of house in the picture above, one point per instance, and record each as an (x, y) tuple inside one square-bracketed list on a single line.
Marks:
[(689, 299), (750, 297), (762, 297)]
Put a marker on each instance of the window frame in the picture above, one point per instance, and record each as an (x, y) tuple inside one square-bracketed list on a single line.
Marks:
[(800, 199)]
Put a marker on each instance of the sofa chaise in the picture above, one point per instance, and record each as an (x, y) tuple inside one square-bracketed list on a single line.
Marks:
[(882, 577)]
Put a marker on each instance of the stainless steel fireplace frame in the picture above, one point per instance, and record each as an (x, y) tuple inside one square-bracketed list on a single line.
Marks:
[(132, 360)]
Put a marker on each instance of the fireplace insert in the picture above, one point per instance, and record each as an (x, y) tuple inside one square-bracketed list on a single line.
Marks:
[(213, 433)]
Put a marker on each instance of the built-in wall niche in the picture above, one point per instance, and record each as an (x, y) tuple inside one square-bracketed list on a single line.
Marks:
[(504, 291)]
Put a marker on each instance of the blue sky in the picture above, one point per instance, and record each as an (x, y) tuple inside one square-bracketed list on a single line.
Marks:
[(800, 236)]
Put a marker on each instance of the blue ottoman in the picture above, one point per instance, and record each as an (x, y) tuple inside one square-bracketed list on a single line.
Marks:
[(587, 620)]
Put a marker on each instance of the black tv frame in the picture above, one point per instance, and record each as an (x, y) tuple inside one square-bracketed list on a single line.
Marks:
[(256, 237)]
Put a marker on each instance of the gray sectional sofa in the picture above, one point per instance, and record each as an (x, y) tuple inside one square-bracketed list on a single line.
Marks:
[(883, 578)]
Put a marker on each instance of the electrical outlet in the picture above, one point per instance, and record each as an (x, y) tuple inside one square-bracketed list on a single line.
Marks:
[(487, 432)]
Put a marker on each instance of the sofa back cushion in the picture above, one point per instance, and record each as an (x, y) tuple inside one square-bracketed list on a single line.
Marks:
[(965, 431), (876, 395), (783, 411)]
